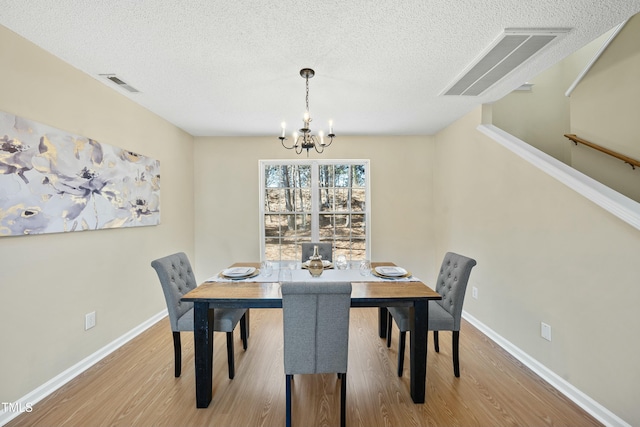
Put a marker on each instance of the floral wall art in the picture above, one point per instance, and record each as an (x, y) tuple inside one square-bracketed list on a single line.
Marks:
[(52, 181)]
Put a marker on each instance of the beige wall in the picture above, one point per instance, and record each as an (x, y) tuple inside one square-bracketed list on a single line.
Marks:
[(49, 282), (541, 117), (605, 109), (546, 254), (226, 197)]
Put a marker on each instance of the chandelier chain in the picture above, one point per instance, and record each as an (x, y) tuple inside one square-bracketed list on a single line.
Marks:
[(307, 97)]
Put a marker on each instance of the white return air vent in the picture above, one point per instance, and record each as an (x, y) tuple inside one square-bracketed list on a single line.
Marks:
[(506, 53), (120, 82)]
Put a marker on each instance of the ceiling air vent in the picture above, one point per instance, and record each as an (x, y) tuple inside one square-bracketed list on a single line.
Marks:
[(506, 53), (120, 83)]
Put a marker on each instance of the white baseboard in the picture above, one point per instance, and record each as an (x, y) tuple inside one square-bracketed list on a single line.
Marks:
[(59, 380), (596, 410)]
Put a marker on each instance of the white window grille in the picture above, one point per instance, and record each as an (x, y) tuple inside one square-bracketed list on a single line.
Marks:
[(314, 201)]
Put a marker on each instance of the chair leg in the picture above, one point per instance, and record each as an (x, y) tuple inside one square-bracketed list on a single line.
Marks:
[(343, 400), (177, 353), (288, 404), (243, 331), (389, 324), (456, 357), (247, 322), (401, 343), (230, 359), (436, 342)]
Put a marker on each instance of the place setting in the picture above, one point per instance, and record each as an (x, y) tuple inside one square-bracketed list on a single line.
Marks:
[(238, 273), (391, 273)]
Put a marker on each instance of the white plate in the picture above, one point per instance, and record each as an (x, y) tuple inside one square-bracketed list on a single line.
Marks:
[(238, 271), (391, 271)]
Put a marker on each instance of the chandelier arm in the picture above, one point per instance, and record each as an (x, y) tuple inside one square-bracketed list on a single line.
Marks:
[(282, 139), (330, 136), (315, 144)]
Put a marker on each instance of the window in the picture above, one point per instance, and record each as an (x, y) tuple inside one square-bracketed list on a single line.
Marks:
[(314, 201)]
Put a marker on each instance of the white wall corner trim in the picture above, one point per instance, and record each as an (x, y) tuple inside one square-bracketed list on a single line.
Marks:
[(619, 205), (596, 410), (64, 377), (595, 58)]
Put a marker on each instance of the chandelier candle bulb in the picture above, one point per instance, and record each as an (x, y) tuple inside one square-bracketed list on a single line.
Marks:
[(321, 135), (284, 126), (330, 127)]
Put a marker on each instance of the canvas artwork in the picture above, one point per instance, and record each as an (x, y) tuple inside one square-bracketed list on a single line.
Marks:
[(52, 181)]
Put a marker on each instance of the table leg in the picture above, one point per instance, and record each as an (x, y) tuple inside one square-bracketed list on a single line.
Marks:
[(382, 322), (203, 348), (418, 349)]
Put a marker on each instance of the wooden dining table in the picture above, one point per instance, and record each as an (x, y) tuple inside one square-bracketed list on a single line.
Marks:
[(247, 294)]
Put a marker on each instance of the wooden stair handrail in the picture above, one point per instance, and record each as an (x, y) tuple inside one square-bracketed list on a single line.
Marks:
[(628, 160)]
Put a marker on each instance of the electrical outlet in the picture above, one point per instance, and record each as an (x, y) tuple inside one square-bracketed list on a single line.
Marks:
[(89, 320), (545, 331), (474, 292)]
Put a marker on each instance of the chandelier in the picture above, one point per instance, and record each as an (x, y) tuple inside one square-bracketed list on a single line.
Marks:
[(305, 140)]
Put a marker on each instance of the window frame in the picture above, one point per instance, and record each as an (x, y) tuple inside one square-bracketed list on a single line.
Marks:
[(315, 212)]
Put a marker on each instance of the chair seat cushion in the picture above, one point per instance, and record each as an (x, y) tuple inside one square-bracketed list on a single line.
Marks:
[(224, 319), (439, 318)]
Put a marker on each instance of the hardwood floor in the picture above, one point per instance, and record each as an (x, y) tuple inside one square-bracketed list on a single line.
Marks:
[(135, 386)]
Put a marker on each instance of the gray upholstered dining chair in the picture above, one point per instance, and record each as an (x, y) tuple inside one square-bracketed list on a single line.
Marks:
[(444, 314), (325, 250), (177, 278), (316, 333)]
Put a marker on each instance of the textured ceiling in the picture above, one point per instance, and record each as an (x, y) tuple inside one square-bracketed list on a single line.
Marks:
[(232, 67)]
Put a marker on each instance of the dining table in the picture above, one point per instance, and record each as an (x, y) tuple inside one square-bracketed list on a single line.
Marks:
[(368, 290)]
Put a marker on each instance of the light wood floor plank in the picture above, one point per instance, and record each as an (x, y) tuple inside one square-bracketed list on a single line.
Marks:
[(135, 386)]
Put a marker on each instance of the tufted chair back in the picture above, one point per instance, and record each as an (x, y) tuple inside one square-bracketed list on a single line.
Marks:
[(316, 326), (452, 284), (177, 278)]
